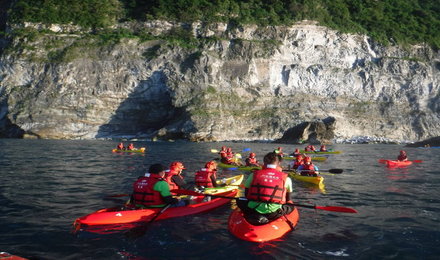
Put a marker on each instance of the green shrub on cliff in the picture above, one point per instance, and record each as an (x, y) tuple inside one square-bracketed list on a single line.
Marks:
[(395, 21)]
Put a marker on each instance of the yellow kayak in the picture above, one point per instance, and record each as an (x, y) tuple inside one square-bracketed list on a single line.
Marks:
[(139, 150), (232, 183), (317, 180)]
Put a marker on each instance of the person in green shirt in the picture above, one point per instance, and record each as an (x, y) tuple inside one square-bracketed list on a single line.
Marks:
[(267, 191), (152, 191)]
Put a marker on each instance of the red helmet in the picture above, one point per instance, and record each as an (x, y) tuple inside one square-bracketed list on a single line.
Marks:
[(296, 150), (178, 165), (280, 148), (252, 155), (403, 152), (308, 159), (211, 165), (299, 157), (323, 146), (229, 149)]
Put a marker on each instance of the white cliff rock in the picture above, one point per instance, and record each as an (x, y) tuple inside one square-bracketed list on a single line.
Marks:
[(248, 83)]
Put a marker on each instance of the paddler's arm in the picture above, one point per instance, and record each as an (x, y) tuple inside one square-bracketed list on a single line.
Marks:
[(164, 190), (247, 183), (178, 180), (289, 189)]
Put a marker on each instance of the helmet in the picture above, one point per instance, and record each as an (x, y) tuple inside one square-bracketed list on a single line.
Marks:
[(402, 152), (296, 150), (252, 155), (280, 148), (299, 157), (308, 159), (178, 165), (211, 165), (323, 146)]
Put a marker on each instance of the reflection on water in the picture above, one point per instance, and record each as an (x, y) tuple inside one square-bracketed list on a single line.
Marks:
[(45, 185)]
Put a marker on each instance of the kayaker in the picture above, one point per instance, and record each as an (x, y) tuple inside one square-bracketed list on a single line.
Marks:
[(252, 160), (310, 148), (402, 156), (207, 176), (298, 162), (120, 146), (152, 191), (130, 147), (267, 192), (174, 177), (296, 152), (279, 151), (323, 148), (308, 168)]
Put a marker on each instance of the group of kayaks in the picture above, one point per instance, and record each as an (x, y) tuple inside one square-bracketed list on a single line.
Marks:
[(124, 218)]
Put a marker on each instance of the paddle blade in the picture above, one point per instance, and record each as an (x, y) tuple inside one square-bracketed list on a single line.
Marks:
[(382, 161), (246, 149), (233, 169), (336, 209), (214, 151), (417, 161), (336, 171)]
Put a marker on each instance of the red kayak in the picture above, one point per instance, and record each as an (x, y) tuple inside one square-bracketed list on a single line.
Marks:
[(395, 163), (242, 229), (115, 216)]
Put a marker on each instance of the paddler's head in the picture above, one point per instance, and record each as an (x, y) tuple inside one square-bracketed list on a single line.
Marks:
[(272, 158), (308, 160), (158, 169)]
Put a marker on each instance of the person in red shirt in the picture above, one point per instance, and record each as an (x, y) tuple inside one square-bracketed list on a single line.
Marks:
[(174, 176), (310, 148), (402, 156), (308, 168), (152, 191), (252, 160), (296, 152), (120, 146), (130, 147), (207, 177), (298, 162)]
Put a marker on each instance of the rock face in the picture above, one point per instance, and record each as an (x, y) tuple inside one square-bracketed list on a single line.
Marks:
[(249, 83), (431, 142)]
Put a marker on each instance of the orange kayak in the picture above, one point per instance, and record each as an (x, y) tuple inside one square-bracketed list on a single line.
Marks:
[(242, 229)]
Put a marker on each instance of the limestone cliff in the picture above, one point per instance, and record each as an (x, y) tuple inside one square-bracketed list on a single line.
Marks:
[(241, 83)]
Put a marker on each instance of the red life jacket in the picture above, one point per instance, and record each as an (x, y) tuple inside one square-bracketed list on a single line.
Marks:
[(268, 186), (251, 161), (402, 158), (143, 192), (168, 175), (308, 169), (203, 178), (297, 164)]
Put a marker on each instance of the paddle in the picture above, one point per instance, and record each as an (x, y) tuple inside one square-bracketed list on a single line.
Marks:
[(140, 230), (327, 208)]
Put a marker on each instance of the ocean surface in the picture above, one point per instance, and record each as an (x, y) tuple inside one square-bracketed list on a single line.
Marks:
[(46, 184)]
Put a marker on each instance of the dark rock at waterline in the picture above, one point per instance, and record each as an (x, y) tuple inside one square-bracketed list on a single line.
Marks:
[(435, 141), (319, 132)]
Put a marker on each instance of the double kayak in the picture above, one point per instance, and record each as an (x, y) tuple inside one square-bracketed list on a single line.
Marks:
[(123, 217), (140, 150), (116, 216), (316, 158), (242, 229), (236, 167), (317, 180)]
